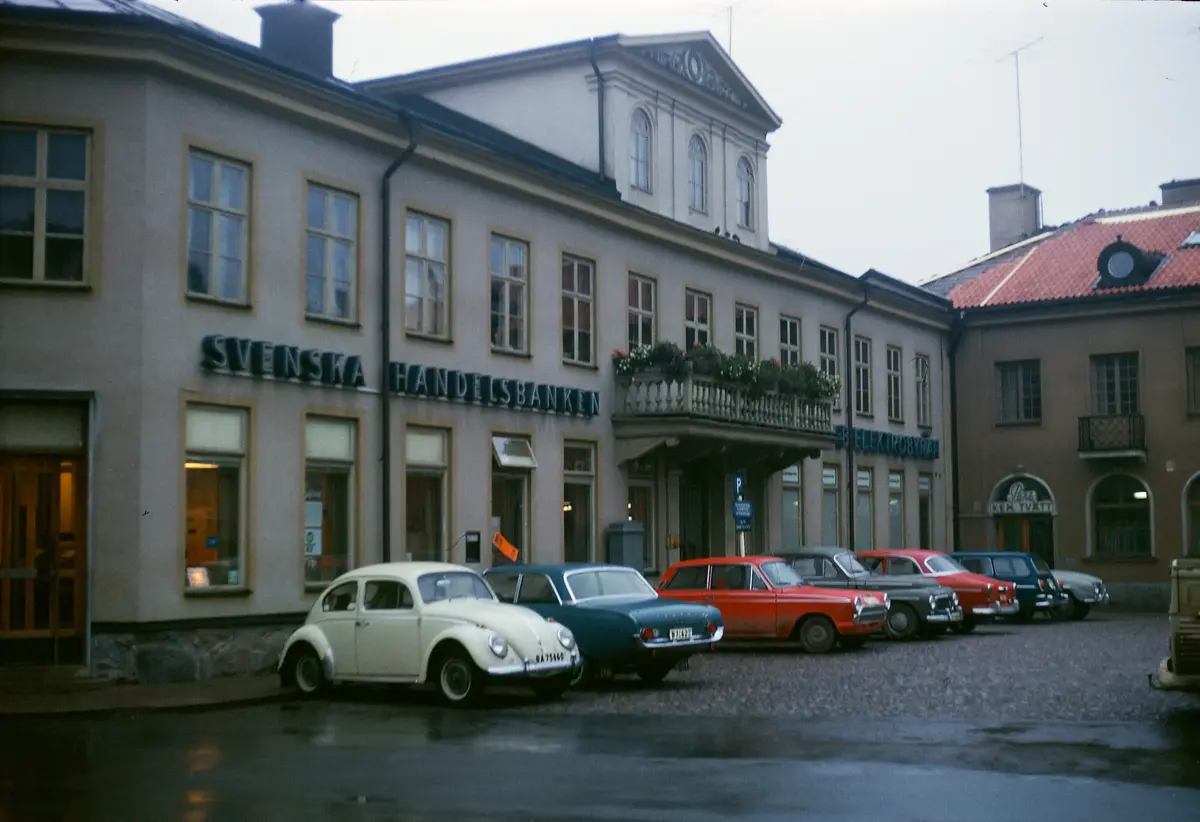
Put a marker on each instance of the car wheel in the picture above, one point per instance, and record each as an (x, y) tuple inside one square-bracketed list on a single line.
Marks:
[(853, 643), (459, 681), (1024, 616), (966, 626), (1065, 611), (817, 635), (653, 674), (305, 673), (1082, 609), (552, 687), (902, 622)]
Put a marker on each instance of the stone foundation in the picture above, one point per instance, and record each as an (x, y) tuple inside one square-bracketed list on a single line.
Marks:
[(1147, 597), (183, 656)]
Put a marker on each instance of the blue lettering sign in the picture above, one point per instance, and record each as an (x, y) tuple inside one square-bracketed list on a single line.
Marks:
[(868, 441)]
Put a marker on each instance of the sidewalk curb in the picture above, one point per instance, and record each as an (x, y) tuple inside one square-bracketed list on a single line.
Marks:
[(183, 707)]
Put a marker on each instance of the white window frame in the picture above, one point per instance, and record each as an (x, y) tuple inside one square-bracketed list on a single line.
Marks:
[(641, 146), (41, 184), (863, 396), (791, 349), (924, 380), (216, 210), (864, 491), (745, 193), (330, 238), (831, 482), (417, 320), (197, 456), (695, 325), (580, 302), (437, 470), (509, 282), (828, 363), (697, 175), (745, 342), (327, 464), (894, 362), (637, 311), (571, 476)]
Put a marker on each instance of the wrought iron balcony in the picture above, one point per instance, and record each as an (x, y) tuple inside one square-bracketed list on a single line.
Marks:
[(1116, 435)]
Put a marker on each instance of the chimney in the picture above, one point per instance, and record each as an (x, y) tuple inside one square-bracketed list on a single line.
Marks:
[(1014, 214), (299, 34), (1181, 192)]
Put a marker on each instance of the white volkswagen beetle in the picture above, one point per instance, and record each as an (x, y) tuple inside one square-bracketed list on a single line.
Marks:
[(415, 622)]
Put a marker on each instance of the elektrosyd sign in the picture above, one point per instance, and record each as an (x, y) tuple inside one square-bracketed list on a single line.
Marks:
[(332, 369), (868, 441)]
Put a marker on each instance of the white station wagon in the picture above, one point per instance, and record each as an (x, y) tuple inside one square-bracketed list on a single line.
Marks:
[(416, 622)]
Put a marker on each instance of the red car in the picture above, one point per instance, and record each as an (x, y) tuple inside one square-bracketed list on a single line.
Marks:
[(763, 598), (982, 598)]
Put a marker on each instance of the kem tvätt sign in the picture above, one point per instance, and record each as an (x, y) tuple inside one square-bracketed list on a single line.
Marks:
[(1022, 496), (332, 369)]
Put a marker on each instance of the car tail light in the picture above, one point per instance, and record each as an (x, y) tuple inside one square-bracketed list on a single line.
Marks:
[(647, 633), (989, 592), (712, 628), (1042, 584)]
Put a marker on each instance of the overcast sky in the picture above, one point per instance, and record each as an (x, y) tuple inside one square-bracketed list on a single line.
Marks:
[(898, 114)]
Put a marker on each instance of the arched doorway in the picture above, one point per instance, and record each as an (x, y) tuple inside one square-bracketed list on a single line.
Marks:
[(1023, 511)]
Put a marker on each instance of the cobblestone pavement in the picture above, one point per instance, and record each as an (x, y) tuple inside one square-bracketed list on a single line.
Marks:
[(1093, 670)]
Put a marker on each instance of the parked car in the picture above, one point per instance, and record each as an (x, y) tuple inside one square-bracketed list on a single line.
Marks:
[(1180, 670), (1037, 591), (618, 619), (415, 622), (761, 597), (1083, 591), (920, 605), (983, 599)]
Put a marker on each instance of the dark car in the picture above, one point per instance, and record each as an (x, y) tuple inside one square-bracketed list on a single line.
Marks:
[(1037, 590), (618, 619), (919, 605)]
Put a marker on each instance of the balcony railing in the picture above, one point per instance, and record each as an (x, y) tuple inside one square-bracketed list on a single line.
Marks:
[(1124, 432), (693, 396)]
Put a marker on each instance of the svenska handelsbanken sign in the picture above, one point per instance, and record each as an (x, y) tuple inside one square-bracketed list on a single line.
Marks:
[(291, 363)]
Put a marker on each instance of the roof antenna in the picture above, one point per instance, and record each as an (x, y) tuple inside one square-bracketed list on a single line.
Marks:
[(1015, 54)]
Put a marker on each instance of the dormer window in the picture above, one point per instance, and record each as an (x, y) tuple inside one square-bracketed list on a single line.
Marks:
[(745, 194), (697, 174), (639, 151), (1122, 263)]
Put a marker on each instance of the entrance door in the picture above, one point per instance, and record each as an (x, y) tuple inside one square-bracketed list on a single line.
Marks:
[(693, 516), (510, 505), (1033, 535), (42, 559)]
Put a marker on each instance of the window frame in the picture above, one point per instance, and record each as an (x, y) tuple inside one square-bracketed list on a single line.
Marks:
[(896, 495), (864, 399), (864, 491), (924, 389), (1192, 367), (790, 353), (746, 192), (925, 519), (694, 326), (509, 282), (41, 184), (1025, 378), (326, 466), (330, 237), (828, 470), (893, 358), (590, 479), (578, 299), (649, 544), (745, 343), (641, 151), (1129, 404), (639, 312), (1143, 505), (827, 360), (788, 487), (244, 463), (424, 259), (697, 175), (437, 471), (215, 210)]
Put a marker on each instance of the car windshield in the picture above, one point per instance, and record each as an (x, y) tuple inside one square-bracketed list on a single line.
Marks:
[(850, 564), (1040, 564), (608, 582), (944, 565), (780, 574), (444, 585)]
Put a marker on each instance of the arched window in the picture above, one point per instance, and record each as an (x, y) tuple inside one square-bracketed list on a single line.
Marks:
[(745, 193), (639, 151), (1121, 518), (1193, 518), (697, 174)]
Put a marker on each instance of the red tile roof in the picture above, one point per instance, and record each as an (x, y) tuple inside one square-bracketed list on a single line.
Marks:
[(1063, 264)]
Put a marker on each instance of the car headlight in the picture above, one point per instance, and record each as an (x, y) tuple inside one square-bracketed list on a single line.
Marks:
[(954, 597), (499, 645), (858, 604), (565, 637), (932, 600), (887, 601)]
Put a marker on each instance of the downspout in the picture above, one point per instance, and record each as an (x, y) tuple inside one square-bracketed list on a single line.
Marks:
[(957, 332), (851, 481), (385, 393), (599, 110)]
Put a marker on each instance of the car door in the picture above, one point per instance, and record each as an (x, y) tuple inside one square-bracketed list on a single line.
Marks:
[(748, 612), (339, 612), (387, 634), (690, 584), (832, 576)]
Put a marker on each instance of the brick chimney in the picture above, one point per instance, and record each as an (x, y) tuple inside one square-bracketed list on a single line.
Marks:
[(1181, 192), (1014, 214), (299, 34)]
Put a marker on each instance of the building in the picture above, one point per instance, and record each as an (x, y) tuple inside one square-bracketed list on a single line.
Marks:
[(1077, 370), (260, 325)]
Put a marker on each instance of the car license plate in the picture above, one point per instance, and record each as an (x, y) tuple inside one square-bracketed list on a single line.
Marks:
[(956, 616), (680, 633)]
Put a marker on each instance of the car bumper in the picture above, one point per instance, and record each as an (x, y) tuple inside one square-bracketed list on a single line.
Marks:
[(695, 643), (871, 614), (996, 609), (538, 669), (1095, 599), (945, 617), (1050, 600)]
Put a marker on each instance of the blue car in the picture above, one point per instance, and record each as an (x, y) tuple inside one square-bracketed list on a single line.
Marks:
[(618, 619)]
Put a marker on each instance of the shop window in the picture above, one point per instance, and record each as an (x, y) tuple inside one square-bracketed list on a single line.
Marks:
[(427, 460), (513, 461), (865, 511), (216, 477), (831, 503), (791, 507), (925, 511), (579, 502), (896, 509), (328, 498), (1121, 518), (640, 509)]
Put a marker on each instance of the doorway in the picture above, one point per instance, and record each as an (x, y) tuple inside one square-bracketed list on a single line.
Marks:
[(510, 510), (1028, 534), (693, 516)]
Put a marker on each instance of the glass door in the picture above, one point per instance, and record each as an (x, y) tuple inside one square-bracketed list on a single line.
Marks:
[(510, 506)]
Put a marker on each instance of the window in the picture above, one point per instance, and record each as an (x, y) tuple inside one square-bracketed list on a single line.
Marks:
[(896, 509), (831, 503), (218, 228), (729, 578), (1115, 385), (578, 277), (895, 383), (426, 276), (341, 599), (791, 530), (536, 589), (386, 595), (579, 505), (862, 377), (689, 578), (329, 499), (828, 357), (513, 462), (510, 297), (639, 151), (640, 509), (504, 586), (331, 254), (745, 194), (924, 391), (697, 174), (427, 463), (44, 180), (1192, 548), (1193, 380), (1121, 518), (215, 468), (642, 299), (865, 511), (1020, 391), (697, 319), (977, 565), (902, 567), (745, 330), (789, 341), (925, 511)]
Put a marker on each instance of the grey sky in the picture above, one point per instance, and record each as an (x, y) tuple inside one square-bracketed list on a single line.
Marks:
[(897, 114)]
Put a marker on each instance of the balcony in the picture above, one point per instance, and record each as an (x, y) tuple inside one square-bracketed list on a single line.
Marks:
[(1121, 436)]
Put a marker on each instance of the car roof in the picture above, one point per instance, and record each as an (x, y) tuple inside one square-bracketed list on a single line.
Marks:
[(757, 559), (824, 550), (915, 553), (555, 568), (401, 570), (988, 554)]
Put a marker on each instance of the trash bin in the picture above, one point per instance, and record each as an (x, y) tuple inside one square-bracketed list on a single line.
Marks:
[(626, 543)]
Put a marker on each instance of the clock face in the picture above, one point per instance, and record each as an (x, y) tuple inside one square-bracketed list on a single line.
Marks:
[(1120, 265)]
